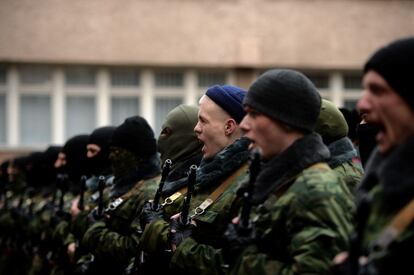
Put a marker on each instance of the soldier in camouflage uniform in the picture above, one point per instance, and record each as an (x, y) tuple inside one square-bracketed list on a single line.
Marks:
[(303, 211), (179, 143), (221, 170), (72, 162), (113, 236), (332, 126), (384, 241), (98, 164)]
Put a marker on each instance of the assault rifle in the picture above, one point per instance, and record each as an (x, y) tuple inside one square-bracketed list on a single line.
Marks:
[(190, 189), (164, 174), (101, 186), (254, 169), (81, 202)]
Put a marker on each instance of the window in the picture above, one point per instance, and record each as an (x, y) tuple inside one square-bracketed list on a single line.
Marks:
[(207, 79), (321, 81), (162, 107), (123, 107), (350, 104), (80, 115), (80, 76), (353, 82), (124, 78), (35, 75), (35, 115), (2, 119), (169, 79)]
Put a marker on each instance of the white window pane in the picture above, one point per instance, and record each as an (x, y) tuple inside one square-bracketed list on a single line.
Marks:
[(35, 74), (162, 107), (207, 79), (351, 104), (321, 81), (124, 78), (80, 76), (123, 107), (35, 123), (2, 119), (80, 115), (169, 79), (353, 82)]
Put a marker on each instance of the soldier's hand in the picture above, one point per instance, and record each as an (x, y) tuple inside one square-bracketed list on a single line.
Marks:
[(71, 251), (236, 238), (148, 214), (178, 231)]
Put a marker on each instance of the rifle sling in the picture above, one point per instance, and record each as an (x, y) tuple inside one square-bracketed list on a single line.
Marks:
[(396, 227), (214, 196), (120, 200), (171, 199)]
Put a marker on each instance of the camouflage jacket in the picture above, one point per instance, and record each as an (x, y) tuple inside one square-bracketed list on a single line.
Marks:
[(230, 163), (115, 241), (303, 216), (345, 162), (389, 186)]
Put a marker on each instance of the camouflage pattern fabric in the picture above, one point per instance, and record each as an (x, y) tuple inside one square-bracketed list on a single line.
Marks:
[(301, 230)]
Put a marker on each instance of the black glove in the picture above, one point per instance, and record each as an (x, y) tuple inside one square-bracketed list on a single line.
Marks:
[(236, 238), (178, 231), (148, 214)]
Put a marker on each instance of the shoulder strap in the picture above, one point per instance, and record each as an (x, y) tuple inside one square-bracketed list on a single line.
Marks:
[(396, 227), (171, 199), (120, 200), (219, 190)]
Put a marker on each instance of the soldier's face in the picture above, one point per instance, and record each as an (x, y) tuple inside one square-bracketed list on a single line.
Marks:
[(384, 107), (61, 160), (269, 136), (92, 150), (210, 128)]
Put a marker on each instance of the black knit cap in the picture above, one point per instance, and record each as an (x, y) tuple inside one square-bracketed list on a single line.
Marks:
[(287, 96), (395, 63), (135, 135)]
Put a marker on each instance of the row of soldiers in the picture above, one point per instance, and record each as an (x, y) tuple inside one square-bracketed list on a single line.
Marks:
[(263, 181)]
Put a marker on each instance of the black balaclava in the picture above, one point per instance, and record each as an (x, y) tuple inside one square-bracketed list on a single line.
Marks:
[(34, 173), (4, 178), (100, 164), (133, 143), (135, 135), (366, 133), (49, 171), (76, 160)]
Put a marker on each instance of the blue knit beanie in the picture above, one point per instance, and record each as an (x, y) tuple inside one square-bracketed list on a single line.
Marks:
[(229, 98)]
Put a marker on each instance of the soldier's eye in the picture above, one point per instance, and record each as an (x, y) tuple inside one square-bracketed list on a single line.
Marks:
[(166, 131)]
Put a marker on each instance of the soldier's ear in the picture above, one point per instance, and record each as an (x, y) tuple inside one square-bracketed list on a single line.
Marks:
[(230, 126)]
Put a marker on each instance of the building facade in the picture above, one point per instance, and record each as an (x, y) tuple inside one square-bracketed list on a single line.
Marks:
[(67, 67)]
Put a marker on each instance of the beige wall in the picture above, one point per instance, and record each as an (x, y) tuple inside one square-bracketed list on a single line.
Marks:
[(330, 34)]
